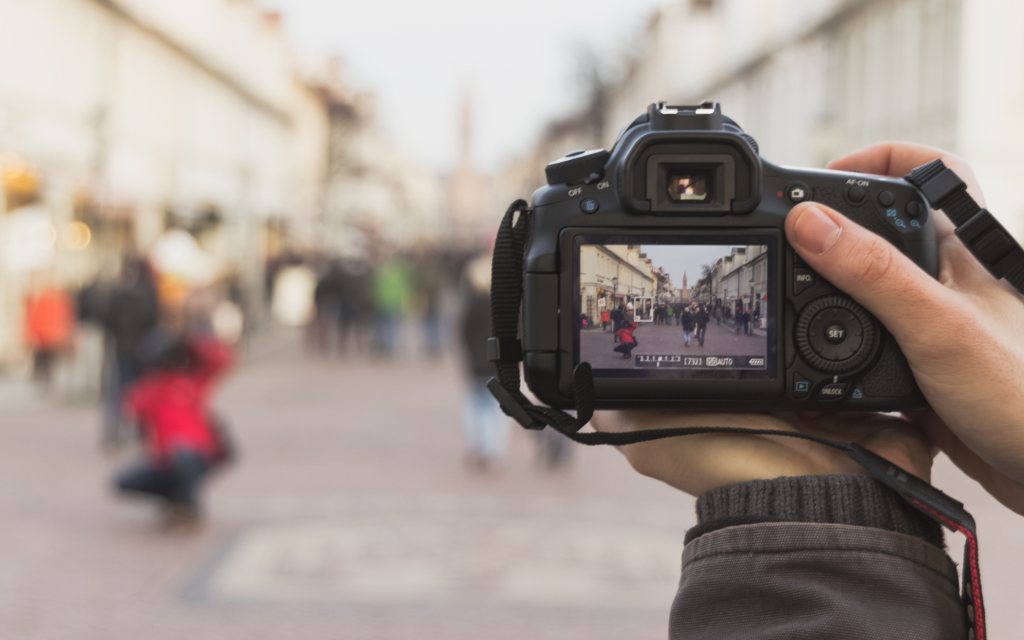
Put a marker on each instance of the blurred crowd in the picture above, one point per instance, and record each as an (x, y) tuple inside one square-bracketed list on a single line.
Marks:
[(428, 302), (147, 338)]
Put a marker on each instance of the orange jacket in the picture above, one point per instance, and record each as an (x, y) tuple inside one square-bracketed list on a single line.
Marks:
[(49, 319)]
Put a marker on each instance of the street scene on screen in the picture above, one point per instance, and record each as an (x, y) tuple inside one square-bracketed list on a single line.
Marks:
[(682, 306)]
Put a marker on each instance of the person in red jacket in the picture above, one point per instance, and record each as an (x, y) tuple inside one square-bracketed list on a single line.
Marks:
[(49, 328), (170, 404), (627, 341)]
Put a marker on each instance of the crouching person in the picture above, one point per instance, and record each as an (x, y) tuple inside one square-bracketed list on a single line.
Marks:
[(183, 443)]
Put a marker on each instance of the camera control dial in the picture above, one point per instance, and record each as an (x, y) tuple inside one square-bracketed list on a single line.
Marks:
[(576, 166), (835, 335)]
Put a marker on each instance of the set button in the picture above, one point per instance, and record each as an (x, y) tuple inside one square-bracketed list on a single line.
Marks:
[(829, 336)]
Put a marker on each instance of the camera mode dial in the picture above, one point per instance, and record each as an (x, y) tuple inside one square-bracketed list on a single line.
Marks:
[(835, 335), (576, 166)]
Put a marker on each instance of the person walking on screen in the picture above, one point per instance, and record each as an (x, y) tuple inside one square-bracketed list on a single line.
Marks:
[(688, 321), (702, 320), (618, 316)]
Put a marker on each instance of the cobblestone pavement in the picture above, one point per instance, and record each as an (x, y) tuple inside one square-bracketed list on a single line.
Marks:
[(351, 515)]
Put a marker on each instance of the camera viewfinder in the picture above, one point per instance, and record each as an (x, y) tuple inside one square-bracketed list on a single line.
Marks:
[(688, 187)]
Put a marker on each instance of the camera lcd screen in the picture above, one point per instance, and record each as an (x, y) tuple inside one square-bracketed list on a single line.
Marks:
[(660, 309)]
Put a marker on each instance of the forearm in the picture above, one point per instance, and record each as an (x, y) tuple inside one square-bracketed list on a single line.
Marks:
[(835, 557)]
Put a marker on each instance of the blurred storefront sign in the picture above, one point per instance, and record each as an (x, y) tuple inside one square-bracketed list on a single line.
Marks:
[(176, 253), (28, 240)]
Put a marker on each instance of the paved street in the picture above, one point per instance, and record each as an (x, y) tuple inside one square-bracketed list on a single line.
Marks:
[(721, 340), (352, 516)]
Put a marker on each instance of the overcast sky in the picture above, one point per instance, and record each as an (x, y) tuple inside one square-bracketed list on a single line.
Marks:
[(516, 58), (688, 259)]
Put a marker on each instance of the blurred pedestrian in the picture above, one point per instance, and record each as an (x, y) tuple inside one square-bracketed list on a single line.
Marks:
[(430, 284), (49, 328), (486, 427), (132, 313), (392, 289), (171, 404), (356, 304), (327, 303), (91, 349)]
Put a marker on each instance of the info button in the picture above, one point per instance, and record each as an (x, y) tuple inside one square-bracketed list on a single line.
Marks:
[(802, 279)]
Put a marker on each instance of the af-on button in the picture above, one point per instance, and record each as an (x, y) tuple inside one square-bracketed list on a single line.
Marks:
[(856, 194)]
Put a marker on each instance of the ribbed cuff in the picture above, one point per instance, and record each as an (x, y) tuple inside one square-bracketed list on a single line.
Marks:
[(849, 499)]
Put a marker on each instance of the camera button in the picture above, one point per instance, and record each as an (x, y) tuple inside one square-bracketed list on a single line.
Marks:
[(798, 192), (833, 390), (835, 333), (886, 198), (801, 386), (589, 205), (802, 279), (913, 209), (856, 194)]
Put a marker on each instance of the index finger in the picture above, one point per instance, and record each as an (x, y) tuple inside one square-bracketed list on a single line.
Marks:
[(898, 159), (895, 159)]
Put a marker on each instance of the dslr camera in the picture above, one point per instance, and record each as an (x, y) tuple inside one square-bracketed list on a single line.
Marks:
[(663, 264)]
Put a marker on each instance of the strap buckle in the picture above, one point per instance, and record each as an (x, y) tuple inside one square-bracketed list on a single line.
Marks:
[(504, 350), (936, 188), (512, 407), (994, 247)]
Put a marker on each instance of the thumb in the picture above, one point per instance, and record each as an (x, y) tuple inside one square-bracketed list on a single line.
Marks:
[(868, 268)]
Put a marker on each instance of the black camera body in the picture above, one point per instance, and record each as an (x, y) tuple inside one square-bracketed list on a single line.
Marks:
[(664, 265)]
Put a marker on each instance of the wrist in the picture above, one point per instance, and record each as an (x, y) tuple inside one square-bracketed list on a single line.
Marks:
[(834, 499)]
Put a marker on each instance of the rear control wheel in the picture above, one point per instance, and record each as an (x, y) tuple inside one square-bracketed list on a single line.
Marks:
[(835, 334)]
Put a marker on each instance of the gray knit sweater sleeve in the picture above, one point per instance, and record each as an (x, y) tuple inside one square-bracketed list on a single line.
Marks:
[(849, 499), (814, 558)]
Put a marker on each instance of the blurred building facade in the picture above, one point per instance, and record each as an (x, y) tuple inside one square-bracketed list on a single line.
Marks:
[(126, 117), (812, 79), (611, 275)]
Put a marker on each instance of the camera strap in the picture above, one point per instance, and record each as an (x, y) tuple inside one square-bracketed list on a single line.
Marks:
[(978, 229), (505, 351)]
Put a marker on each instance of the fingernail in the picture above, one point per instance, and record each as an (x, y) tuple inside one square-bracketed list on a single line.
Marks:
[(814, 230)]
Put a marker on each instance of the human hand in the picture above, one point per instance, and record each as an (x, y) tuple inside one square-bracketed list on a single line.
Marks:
[(961, 333), (696, 464)]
